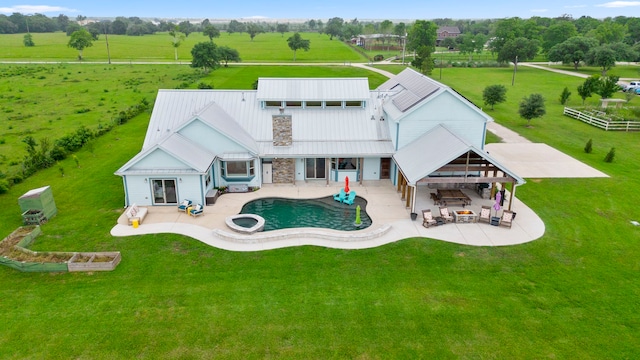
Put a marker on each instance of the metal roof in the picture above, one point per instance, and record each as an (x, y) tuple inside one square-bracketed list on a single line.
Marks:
[(313, 89), (239, 115), (410, 88), (434, 149)]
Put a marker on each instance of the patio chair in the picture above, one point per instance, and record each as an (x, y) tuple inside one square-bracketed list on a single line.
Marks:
[(196, 210), (444, 213), (351, 198), (427, 218), (506, 219), (340, 196), (485, 214), (184, 205)]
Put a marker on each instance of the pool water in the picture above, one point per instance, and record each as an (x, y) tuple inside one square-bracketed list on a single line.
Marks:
[(283, 213)]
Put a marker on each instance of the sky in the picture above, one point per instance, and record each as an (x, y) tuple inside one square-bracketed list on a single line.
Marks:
[(325, 9)]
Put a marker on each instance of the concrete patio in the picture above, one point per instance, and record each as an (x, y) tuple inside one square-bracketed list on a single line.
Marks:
[(391, 221)]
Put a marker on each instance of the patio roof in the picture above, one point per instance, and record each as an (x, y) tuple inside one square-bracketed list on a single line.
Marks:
[(441, 151)]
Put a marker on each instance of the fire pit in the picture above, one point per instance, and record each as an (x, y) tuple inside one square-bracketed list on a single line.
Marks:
[(464, 216)]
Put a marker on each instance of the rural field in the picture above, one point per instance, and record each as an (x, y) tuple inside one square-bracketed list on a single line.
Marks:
[(571, 294), (267, 47)]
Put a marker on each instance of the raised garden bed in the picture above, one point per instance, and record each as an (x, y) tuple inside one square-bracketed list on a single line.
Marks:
[(94, 261)]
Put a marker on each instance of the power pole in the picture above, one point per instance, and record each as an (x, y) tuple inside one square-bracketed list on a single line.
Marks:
[(515, 67)]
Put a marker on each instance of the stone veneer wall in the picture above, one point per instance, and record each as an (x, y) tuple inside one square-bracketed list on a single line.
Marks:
[(282, 133), (284, 171)]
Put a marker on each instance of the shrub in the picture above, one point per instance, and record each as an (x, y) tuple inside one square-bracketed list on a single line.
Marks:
[(589, 147), (204, 86), (610, 155), (378, 57), (4, 186), (564, 97)]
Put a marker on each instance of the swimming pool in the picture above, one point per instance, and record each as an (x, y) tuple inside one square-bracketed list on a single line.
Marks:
[(285, 213)]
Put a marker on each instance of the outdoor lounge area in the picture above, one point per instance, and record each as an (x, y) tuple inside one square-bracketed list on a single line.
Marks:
[(391, 221)]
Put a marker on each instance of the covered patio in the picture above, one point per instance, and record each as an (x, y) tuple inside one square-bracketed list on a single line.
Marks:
[(440, 161)]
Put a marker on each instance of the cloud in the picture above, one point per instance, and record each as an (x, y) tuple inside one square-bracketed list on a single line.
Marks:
[(619, 4), (32, 9)]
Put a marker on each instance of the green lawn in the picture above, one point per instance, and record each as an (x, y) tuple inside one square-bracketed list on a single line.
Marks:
[(267, 47), (622, 71), (570, 295)]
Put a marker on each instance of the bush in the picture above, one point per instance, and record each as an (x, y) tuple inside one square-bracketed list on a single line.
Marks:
[(564, 97), (204, 86), (378, 57), (610, 155), (589, 147), (4, 186)]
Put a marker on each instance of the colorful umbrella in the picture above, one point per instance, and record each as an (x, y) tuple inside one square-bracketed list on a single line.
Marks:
[(346, 184)]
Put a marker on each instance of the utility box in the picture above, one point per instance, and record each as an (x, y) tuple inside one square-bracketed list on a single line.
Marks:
[(41, 200)]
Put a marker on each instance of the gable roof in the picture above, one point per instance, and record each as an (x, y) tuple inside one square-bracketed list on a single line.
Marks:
[(436, 148), (449, 29), (213, 115), (310, 89), (194, 156)]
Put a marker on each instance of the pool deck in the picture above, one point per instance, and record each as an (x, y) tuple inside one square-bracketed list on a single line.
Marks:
[(391, 221)]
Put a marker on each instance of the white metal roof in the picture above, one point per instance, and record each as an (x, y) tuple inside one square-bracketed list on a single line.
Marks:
[(411, 87), (318, 89), (239, 115), (434, 149)]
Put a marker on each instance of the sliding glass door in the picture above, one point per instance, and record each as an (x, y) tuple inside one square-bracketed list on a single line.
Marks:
[(164, 191)]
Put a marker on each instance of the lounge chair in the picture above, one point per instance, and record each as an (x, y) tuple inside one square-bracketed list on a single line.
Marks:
[(340, 196), (427, 218), (485, 214), (184, 205), (351, 198), (444, 213), (506, 219), (196, 210)]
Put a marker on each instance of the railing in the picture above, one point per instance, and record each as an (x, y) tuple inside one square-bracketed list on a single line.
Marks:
[(600, 120)]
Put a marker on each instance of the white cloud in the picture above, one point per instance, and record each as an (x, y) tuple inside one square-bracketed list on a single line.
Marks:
[(32, 9), (619, 4), (539, 10)]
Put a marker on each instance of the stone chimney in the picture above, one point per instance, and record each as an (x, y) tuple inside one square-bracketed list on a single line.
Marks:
[(282, 133)]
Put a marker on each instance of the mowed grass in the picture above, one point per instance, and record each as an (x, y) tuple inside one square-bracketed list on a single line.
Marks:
[(266, 47), (50, 101), (571, 294)]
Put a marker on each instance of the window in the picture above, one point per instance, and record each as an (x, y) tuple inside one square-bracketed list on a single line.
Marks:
[(346, 163), (310, 104), (333, 103), (273, 103), (207, 179), (239, 170), (293, 104), (353, 104)]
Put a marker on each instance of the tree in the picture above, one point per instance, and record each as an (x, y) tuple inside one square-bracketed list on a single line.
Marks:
[(282, 28), (176, 40), (449, 43), (587, 88), (80, 40), (119, 27), (28, 40), (608, 32), (494, 94), (186, 28), (519, 49), (532, 107), (312, 24), (254, 29), (228, 54), (235, 26), (558, 33), (205, 55), (211, 31), (572, 51), (333, 28), (505, 30), (602, 56), (607, 86), (564, 96), (296, 42), (422, 39)]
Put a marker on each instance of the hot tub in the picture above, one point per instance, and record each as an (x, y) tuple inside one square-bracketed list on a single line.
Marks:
[(245, 223)]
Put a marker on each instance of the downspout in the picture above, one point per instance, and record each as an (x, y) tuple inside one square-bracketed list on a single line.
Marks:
[(126, 191), (202, 194)]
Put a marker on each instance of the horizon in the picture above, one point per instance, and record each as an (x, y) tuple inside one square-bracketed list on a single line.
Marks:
[(372, 10)]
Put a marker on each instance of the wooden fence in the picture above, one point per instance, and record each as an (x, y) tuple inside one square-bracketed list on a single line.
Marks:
[(602, 120)]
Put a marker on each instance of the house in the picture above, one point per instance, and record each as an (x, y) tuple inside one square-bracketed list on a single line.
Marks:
[(444, 32), (411, 130)]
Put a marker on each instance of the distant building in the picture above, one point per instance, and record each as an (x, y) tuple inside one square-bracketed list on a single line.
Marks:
[(447, 32)]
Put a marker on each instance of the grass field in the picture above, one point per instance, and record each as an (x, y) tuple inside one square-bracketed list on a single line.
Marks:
[(49, 101), (570, 295), (267, 47)]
